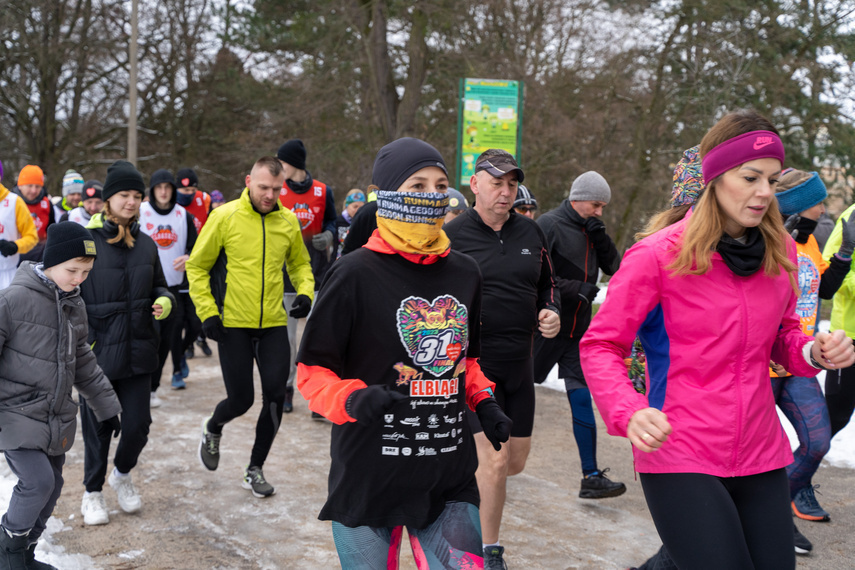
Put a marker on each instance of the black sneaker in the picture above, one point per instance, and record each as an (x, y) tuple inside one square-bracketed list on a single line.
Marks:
[(189, 353), (253, 479), (203, 344), (209, 450), (806, 507), (32, 563), (494, 558), (288, 404), (803, 545), (598, 486)]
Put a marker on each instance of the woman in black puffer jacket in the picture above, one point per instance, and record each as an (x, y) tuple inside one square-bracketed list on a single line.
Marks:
[(126, 291)]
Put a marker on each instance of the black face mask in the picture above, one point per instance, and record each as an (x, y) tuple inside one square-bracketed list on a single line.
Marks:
[(805, 228), (743, 259)]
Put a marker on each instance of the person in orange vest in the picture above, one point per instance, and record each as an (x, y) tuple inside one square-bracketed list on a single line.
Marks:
[(197, 203), (31, 187), (313, 203)]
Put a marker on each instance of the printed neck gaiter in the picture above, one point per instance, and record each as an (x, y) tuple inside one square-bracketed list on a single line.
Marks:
[(411, 222)]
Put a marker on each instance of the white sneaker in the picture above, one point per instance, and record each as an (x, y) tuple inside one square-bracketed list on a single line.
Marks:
[(155, 401), (94, 509), (129, 498)]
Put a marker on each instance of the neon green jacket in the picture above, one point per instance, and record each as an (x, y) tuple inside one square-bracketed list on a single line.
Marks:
[(843, 309), (238, 258)]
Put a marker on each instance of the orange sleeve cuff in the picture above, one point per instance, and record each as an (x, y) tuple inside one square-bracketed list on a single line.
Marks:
[(326, 393), (478, 386)]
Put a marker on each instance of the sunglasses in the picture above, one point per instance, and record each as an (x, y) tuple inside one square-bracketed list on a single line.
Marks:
[(527, 208)]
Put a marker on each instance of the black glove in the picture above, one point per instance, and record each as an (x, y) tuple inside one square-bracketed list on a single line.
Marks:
[(213, 328), (301, 307), (595, 228), (368, 404), (848, 243), (588, 292), (8, 248), (110, 426), (494, 422), (791, 223)]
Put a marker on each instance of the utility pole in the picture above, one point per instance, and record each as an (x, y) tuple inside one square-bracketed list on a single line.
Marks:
[(132, 87)]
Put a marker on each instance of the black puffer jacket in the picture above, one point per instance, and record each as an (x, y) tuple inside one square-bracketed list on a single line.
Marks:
[(43, 351), (119, 293)]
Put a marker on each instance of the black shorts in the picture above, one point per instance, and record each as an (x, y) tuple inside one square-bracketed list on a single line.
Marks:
[(514, 392), (564, 352)]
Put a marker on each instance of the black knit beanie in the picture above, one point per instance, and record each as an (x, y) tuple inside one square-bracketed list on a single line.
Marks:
[(294, 153), (186, 177), (400, 159), (122, 176), (67, 240), (93, 189)]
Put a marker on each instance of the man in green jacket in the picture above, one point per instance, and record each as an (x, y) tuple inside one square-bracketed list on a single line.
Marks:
[(236, 283)]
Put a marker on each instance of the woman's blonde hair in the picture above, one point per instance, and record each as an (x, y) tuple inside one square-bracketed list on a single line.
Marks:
[(792, 178), (124, 233), (706, 226), (663, 219)]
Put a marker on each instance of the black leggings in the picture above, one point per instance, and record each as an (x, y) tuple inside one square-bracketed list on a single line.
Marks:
[(840, 397), (739, 523), (269, 348)]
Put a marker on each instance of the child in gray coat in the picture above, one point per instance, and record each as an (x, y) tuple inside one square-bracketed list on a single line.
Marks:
[(43, 353)]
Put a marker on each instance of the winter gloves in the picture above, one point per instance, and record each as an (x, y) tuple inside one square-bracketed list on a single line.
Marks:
[(213, 328), (301, 307), (322, 241), (494, 422), (588, 292), (110, 426), (8, 248), (368, 404), (848, 243)]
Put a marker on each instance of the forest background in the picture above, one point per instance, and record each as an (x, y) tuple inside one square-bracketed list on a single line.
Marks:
[(620, 87)]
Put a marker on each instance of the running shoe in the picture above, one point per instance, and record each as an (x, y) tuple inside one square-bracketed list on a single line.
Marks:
[(129, 498), (253, 479), (178, 382), (185, 370), (155, 402), (203, 344), (94, 509), (494, 558), (803, 545), (189, 353), (806, 507), (209, 450), (598, 486)]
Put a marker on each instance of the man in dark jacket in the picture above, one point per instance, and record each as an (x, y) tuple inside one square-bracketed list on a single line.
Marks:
[(519, 297), (580, 248)]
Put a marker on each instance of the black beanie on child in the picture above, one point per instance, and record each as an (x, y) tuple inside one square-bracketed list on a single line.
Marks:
[(122, 176), (294, 153), (67, 240), (402, 158)]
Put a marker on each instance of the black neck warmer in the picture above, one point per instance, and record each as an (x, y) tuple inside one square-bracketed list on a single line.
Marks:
[(301, 187), (743, 259)]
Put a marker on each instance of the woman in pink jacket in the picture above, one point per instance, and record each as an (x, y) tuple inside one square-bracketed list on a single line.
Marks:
[(712, 299)]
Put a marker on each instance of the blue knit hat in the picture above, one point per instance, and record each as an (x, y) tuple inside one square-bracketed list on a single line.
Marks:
[(802, 197)]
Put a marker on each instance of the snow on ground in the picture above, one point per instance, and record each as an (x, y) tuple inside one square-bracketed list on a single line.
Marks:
[(46, 551)]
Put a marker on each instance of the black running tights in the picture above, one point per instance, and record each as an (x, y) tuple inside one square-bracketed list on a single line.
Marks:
[(738, 523), (269, 348)]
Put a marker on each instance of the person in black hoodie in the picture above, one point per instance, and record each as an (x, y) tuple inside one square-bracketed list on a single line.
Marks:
[(124, 294), (580, 248), (173, 230)]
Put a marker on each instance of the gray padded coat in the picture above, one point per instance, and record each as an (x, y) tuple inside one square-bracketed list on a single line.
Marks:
[(43, 352)]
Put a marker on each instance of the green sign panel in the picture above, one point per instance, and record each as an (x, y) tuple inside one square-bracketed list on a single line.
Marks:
[(490, 116)]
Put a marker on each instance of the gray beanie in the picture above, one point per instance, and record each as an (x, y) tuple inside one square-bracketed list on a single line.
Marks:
[(590, 186)]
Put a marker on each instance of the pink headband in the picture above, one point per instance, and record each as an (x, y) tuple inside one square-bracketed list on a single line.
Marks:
[(739, 150)]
